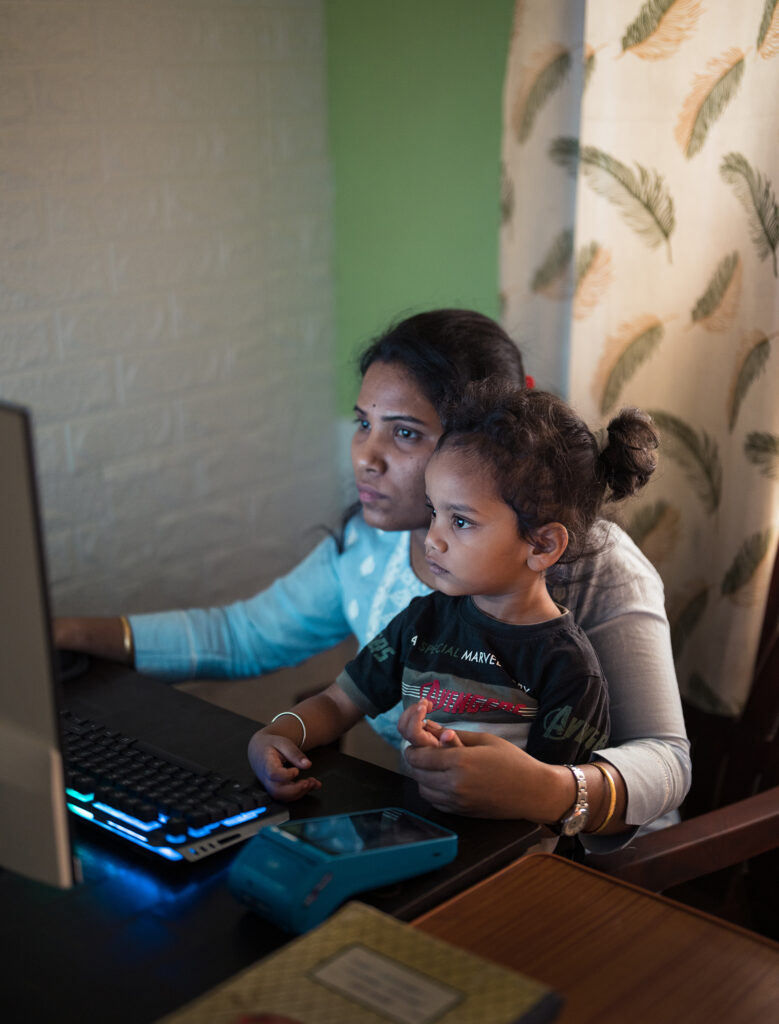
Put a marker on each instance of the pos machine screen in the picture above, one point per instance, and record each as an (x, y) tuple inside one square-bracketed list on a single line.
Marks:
[(361, 832)]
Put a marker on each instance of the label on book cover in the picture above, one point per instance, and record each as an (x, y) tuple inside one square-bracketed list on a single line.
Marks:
[(397, 991)]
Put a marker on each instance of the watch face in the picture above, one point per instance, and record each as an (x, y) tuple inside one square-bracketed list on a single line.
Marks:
[(575, 822)]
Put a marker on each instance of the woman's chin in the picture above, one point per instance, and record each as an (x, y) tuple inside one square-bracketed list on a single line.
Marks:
[(384, 518), (376, 516)]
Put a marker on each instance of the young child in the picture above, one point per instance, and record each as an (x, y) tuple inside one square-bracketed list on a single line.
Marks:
[(514, 485)]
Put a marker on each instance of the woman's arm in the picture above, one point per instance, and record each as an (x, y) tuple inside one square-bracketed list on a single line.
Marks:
[(617, 598), (102, 637), (299, 615)]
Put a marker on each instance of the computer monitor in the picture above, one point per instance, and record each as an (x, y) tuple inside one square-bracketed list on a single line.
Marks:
[(34, 832)]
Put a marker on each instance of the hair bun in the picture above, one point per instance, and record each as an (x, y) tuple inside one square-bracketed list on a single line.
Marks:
[(630, 457)]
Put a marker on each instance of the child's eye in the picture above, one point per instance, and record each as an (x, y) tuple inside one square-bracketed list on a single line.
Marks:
[(460, 524), (430, 509)]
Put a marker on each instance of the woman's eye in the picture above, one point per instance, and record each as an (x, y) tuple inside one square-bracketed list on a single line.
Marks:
[(361, 424), (406, 434)]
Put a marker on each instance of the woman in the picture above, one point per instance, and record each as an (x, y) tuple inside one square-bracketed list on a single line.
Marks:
[(356, 583)]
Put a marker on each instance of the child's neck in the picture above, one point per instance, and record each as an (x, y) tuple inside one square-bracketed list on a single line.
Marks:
[(524, 607)]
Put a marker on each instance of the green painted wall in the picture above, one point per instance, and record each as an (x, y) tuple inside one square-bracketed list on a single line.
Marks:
[(415, 89)]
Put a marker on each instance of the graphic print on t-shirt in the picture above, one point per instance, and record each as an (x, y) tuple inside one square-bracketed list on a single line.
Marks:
[(454, 698)]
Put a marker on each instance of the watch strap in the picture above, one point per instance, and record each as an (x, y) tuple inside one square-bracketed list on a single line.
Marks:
[(575, 820)]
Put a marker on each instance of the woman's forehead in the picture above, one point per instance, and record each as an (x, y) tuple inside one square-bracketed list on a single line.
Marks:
[(390, 389)]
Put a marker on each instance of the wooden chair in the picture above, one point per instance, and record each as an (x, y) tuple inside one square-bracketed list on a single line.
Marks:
[(731, 815)]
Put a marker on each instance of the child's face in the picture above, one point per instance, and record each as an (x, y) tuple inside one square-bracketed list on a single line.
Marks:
[(473, 544)]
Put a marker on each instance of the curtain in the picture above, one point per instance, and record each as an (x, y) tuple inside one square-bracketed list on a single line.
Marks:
[(639, 249)]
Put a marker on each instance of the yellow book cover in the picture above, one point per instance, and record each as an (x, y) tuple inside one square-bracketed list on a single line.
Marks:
[(362, 966)]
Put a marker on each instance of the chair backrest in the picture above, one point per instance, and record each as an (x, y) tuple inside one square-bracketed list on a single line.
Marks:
[(735, 758)]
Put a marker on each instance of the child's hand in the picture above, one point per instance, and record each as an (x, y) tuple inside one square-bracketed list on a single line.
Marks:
[(413, 726), (277, 763), (446, 736)]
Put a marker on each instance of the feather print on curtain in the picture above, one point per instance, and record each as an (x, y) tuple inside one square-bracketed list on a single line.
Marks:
[(639, 249)]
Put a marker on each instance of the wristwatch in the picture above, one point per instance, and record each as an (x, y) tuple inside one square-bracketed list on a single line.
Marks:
[(575, 820)]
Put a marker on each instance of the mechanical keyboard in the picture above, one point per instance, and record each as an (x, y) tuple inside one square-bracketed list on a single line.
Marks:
[(168, 806)]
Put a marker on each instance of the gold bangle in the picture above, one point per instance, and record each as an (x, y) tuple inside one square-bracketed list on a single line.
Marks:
[(127, 640), (612, 796)]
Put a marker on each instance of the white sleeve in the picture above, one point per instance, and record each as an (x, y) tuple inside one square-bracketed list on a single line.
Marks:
[(297, 616)]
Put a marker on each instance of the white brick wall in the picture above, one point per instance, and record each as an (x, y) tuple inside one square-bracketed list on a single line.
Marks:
[(166, 290)]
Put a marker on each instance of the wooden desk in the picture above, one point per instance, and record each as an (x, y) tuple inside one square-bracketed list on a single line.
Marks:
[(616, 953)]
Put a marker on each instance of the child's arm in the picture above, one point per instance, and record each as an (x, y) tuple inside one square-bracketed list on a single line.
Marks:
[(276, 753)]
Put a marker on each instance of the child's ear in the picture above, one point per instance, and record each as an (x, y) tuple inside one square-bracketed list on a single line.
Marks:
[(549, 542)]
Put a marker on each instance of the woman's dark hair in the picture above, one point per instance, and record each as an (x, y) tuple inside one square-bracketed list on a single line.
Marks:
[(444, 350), (544, 460)]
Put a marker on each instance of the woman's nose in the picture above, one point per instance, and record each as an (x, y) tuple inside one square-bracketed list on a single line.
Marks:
[(368, 453)]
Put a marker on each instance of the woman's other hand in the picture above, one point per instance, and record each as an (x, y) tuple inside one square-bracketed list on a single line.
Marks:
[(484, 776)]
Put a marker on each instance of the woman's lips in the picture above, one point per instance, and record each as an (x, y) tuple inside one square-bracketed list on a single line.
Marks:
[(367, 495)]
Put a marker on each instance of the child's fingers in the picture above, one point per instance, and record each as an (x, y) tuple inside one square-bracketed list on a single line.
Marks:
[(449, 738), (421, 708), (434, 727), (283, 780), (292, 790), (445, 736), (410, 723), (291, 753)]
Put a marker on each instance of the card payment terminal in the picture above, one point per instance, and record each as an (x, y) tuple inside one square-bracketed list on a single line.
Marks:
[(297, 873)]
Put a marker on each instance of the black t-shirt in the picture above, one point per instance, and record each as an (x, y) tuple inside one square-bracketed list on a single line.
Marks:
[(539, 686)]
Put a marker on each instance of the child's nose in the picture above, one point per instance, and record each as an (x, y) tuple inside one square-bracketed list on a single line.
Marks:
[(434, 541)]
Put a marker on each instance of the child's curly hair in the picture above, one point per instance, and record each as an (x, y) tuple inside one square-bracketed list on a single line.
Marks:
[(544, 460)]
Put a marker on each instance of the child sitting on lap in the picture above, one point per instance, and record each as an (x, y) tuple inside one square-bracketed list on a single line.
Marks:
[(514, 486)]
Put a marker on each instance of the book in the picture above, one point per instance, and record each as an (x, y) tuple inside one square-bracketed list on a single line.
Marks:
[(361, 966)]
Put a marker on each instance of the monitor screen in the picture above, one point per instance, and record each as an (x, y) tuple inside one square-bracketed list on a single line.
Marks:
[(34, 832)]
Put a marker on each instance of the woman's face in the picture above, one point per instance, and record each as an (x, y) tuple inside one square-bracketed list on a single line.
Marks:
[(397, 430)]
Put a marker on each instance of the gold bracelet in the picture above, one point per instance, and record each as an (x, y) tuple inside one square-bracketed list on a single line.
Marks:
[(612, 796), (127, 640)]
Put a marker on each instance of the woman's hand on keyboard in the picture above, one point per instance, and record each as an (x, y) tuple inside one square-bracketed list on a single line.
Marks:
[(277, 762)]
